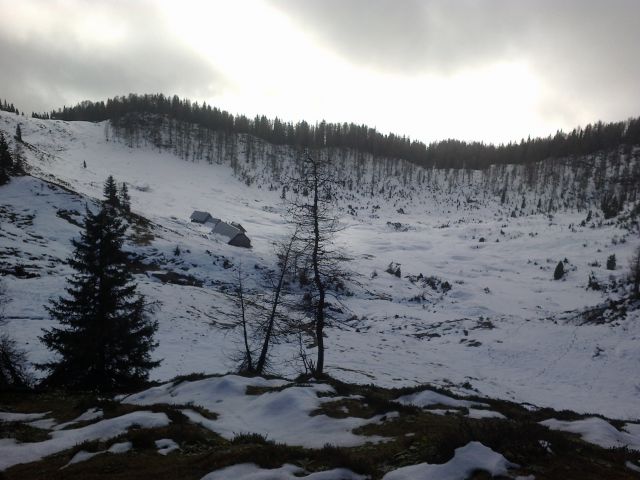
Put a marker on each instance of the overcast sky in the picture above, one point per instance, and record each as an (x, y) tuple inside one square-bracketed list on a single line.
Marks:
[(491, 70)]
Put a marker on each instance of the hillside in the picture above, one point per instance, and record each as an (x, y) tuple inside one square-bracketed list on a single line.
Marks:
[(474, 308)]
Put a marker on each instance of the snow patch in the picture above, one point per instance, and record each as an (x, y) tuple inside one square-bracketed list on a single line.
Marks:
[(250, 471), (21, 417), (14, 453), (427, 398), (272, 414), (474, 456), (166, 446), (83, 455), (599, 432), (91, 414), (480, 414)]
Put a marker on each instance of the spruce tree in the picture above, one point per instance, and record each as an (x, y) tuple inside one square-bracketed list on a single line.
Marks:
[(111, 192), (124, 198), (105, 338), (18, 133), (6, 162), (18, 168)]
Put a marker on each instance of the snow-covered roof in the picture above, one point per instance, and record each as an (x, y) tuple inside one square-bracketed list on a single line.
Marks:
[(200, 217), (229, 231)]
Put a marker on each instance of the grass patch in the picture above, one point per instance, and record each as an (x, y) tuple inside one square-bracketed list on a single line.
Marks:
[(22, 432), (250, 439)]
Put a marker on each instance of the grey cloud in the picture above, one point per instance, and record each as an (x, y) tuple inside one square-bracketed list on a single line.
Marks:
[(583, 50), (409, 35), (50, 69)]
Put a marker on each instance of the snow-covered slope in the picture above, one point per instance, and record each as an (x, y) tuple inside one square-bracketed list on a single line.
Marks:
[(502, 329)]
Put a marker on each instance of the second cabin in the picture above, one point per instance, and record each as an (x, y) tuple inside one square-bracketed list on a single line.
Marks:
[(234, 232)]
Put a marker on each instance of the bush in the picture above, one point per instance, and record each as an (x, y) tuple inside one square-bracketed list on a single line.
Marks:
[(250, 439), (611, 262)]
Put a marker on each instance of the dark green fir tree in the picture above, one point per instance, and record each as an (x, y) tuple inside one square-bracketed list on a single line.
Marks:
[(124, 198), (6, 162), (105, 336), (111, 192)]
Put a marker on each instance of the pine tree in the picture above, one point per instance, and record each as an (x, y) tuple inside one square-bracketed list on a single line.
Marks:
[(18, 133), (6, 162), (105, 338), (124, 198), (111, 192)]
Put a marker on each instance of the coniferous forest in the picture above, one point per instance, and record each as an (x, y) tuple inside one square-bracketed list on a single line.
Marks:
[(447, 153)]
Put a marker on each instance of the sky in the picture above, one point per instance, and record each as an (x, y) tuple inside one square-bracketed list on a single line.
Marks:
[(490, 70)]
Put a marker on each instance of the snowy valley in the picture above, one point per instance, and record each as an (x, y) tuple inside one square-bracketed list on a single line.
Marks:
[(452, 287)]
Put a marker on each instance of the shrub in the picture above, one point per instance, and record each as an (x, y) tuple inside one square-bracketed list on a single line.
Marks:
[(14, 374)]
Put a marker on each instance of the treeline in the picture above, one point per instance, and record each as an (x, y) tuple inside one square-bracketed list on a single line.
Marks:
[(41, 116), (8, 107), (444, 154)]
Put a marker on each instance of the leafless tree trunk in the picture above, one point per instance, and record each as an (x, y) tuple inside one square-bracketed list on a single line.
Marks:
[(269, 328), (311, 213), (248, 361), (317, 278)]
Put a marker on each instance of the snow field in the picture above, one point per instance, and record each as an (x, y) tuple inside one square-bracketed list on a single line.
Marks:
[(500, 331)]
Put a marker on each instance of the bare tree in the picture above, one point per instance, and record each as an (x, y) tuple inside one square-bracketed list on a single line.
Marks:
[(311, 211), (284, 257), (259, 319), (247, 356)]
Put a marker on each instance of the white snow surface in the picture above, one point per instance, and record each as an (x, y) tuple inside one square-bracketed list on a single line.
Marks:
[(250, 471), (473, 456), (14, 453), (599, 432), (479, 414), (282, 416), (632, 466), (21, 417), (83, 455), (44, 424), (503, 326), (91, 414), (427, 398), (166, 446)]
